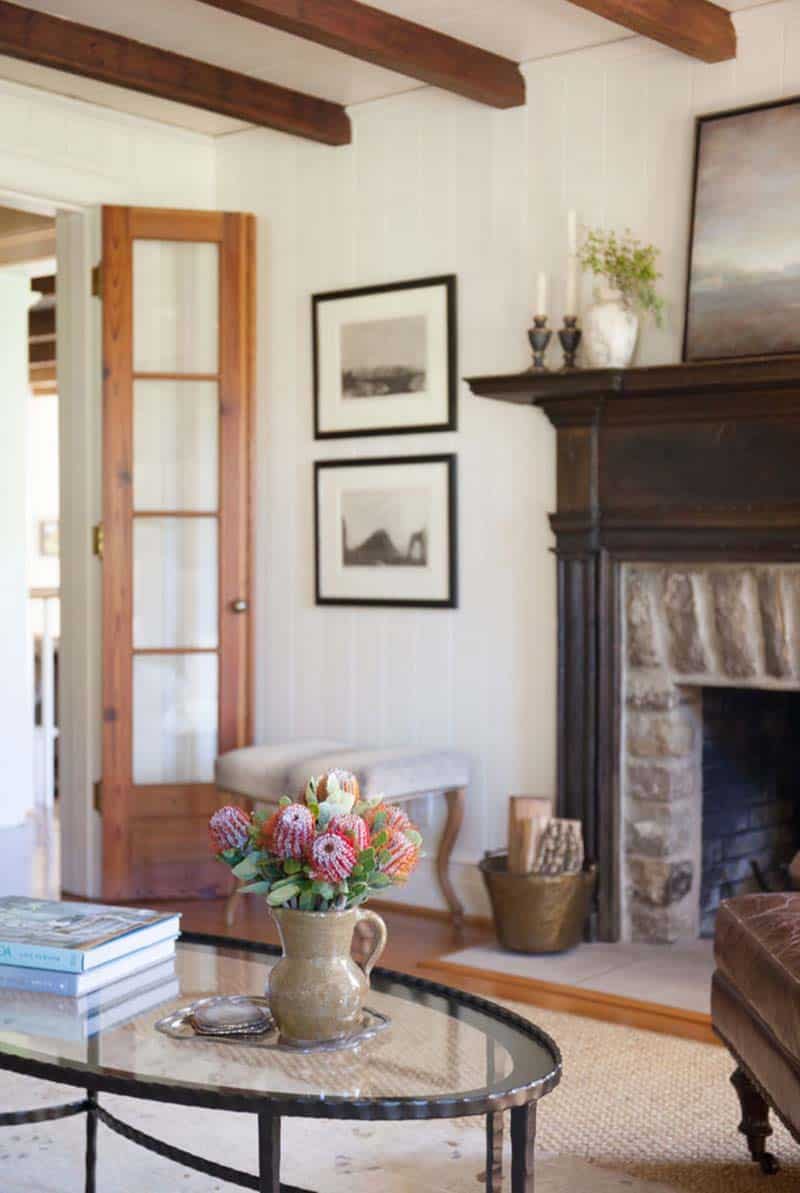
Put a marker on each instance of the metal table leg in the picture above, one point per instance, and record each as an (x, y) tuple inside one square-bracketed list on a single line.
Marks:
[(523, 1139), (494, 1152), (91, 1140), (269, 1153)]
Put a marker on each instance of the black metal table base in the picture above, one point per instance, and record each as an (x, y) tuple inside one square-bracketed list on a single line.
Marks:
[(523, 1135)]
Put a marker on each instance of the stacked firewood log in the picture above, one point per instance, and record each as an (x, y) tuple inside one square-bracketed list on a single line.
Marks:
[(540, 843)]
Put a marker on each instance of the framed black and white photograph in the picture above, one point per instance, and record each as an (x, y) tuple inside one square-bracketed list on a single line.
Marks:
[(744, 257), (386, 531), (385, 359)]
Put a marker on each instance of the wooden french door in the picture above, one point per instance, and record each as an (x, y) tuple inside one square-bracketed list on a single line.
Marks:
[(178, 338)]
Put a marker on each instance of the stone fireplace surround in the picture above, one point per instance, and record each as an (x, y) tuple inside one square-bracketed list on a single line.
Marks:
[(686, 627), (677, 540)]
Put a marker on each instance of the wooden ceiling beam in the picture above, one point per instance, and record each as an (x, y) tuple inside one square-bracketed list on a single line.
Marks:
[(695, 27), (386, 40), (95, 54)]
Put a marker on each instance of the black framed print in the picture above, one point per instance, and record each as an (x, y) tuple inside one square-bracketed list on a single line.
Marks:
[(744, 257), (385, 531), (385, 359)]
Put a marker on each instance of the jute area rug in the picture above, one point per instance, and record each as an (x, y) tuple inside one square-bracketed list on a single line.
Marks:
[(636, 1112)]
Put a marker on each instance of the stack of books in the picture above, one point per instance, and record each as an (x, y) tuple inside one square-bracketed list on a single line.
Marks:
[(72, 969)]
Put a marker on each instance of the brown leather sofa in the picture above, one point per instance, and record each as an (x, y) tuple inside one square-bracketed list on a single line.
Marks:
[(755, 1008)]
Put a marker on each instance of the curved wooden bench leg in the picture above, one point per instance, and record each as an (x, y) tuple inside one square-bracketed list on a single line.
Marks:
[(452, 826)]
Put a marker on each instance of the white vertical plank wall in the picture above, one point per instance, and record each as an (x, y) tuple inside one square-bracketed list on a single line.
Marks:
[(433, 184)]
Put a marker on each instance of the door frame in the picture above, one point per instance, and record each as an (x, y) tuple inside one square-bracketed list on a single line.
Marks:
[(79, 372), (78, 362)]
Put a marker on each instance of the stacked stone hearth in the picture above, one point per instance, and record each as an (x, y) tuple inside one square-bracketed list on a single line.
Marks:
[(686, 627)]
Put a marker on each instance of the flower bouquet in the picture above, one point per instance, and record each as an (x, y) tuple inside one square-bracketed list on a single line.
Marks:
[(316, 860)]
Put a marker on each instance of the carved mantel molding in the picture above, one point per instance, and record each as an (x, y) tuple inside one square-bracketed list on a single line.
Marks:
[(677, 464)]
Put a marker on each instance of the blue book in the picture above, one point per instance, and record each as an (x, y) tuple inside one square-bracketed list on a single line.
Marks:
[(76, 937)]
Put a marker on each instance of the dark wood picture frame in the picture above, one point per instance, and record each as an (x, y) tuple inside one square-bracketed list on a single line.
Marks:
[(700, 121), (450, 423), (451, 601)]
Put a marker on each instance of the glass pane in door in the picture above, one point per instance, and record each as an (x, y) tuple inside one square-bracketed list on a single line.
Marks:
[(175, 433), (175, 307), (174, 583), (175, 511), (174, 718)]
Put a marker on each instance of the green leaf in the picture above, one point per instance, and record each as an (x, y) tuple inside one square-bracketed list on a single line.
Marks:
[(326, 814), (231, 857), (282, 893), (366, 859), (358, 871), (261, 815), (414, 837), (255, 888), (307, 900), (285, 801), (379, 822), (380, 839), (247, 867), (292, 865), (377, 881), (383, 857)]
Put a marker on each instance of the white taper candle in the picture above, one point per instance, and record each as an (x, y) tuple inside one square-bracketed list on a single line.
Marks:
[(541, 294)]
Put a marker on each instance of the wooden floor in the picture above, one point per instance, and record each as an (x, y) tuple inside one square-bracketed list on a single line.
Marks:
[(413, 938), (418, 941)]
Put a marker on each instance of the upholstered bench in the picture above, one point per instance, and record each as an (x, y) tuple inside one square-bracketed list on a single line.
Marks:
[(262, 774), (755, 1009)]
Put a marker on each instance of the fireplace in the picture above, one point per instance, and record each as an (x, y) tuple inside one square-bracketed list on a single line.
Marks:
[(677, 534), (750, 813), (708, 739)]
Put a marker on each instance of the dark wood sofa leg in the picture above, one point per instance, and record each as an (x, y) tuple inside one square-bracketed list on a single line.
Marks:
[(455, 816), (755, 1121)]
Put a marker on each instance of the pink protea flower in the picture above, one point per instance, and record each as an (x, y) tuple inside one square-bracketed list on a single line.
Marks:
[(292, 831), (333, 857), (396, 819), (353, 827), (228, 828), (345, 779), (403, 857)]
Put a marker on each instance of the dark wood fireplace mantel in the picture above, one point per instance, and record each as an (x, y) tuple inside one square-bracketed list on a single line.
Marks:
[(675, 463)]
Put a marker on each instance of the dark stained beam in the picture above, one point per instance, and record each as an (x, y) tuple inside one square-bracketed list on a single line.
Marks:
[(94, 54), (389, 41), (695, 27)]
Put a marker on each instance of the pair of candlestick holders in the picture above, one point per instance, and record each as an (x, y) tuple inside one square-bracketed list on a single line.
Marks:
[(540, 335)]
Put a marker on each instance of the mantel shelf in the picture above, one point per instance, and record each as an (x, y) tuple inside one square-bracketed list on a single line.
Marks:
[(658, 381)]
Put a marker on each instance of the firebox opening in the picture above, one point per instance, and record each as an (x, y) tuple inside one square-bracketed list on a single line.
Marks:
[(751, 813)]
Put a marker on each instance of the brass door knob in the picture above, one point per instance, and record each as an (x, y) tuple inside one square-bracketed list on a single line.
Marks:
[(240, 606)]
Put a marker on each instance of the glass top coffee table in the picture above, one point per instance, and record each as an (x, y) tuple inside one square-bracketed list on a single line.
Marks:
[(445, 1054)]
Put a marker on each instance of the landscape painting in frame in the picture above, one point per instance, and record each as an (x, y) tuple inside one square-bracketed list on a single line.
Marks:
[(385, 359), (386, 531), (744, 268)]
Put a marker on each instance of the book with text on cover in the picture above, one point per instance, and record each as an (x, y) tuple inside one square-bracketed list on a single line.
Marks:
[(74, 937)]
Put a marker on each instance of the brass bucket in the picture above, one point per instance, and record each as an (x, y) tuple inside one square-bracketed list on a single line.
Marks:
[(537, 913)]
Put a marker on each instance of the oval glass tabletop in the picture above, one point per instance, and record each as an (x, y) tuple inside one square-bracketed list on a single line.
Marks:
[(444, 1052)]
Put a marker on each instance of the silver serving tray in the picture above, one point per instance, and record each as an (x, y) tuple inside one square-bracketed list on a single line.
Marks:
[(182, 1025)]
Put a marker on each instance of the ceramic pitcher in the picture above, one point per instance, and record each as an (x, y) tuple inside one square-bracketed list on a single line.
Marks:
[(316, 990)]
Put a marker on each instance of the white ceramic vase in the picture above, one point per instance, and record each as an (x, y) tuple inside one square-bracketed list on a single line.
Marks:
[(610, 330)]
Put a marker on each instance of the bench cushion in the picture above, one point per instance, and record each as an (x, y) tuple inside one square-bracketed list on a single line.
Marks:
[(398, 774), (757, 948), (263, 772)]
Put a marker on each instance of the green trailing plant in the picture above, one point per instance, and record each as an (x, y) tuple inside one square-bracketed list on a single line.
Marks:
[(627, 265)]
